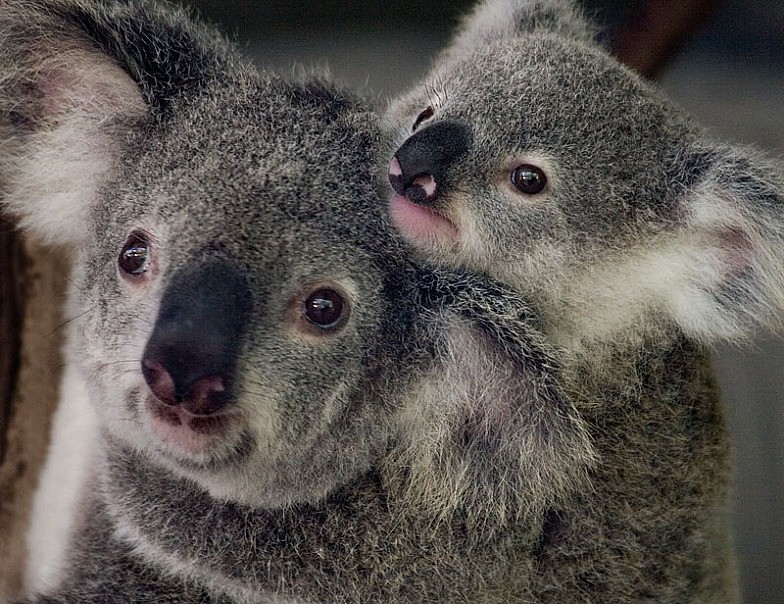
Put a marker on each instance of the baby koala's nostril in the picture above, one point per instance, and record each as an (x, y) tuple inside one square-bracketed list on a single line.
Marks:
[(422, 189), (160, 382), (396, 178)]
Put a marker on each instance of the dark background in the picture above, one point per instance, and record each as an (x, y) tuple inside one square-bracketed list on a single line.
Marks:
[(730, 75)]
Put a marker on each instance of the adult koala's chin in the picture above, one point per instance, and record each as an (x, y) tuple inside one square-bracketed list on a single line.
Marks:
[(529, 153), (290, 411)]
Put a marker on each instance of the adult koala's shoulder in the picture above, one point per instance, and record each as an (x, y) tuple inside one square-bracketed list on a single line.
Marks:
[(290, 411)]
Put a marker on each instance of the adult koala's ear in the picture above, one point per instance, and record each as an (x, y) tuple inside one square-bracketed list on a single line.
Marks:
[(493, 20), (728, 264), (488, 433), (76, 80)]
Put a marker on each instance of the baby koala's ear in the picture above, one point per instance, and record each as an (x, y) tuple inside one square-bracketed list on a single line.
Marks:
[(493, 20), (64, 108), (488, 432), (730, 254)]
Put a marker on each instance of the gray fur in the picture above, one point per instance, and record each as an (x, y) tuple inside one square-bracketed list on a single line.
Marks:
[(649, 242), (418, 452)]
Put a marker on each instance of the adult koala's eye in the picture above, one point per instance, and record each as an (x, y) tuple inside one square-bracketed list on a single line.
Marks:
[(136, 256), (529, 179), (326, 308), (424, 116)]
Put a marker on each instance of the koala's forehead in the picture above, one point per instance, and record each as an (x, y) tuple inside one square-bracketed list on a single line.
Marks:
[(543, 91), (262, 168)]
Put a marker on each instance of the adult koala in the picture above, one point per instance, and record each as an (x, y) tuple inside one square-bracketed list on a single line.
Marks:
[(529, 154), (289, 410)]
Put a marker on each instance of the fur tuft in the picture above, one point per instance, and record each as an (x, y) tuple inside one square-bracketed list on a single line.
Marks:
[(486, 438)]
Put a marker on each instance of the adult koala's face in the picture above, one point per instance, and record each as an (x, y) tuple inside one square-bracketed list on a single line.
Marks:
[(238, 294)]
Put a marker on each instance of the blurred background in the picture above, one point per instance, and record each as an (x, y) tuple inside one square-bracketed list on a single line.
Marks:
[(729, 73)]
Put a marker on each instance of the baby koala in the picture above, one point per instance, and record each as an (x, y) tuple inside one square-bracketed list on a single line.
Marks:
[(530, 154), (289, 409)]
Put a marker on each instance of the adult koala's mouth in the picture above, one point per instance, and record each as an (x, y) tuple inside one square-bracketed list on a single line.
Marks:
[(186, 433)]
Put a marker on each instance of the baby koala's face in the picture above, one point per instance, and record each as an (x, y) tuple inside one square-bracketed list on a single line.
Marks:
[(531, 158)]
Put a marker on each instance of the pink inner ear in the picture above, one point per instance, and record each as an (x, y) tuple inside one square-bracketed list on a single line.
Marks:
[(738, 250), (55, 87), (87, 83)]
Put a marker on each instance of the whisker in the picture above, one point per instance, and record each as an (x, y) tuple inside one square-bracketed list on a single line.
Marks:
[(70, 320), (110, 363), (81, 289)]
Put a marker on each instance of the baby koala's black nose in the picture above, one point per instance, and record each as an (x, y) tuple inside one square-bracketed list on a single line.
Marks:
[(418, 168), (191, 356)]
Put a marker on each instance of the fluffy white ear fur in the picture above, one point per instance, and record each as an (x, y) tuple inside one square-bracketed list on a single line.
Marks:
[(62, 107), (494, 20), (733, 248), (718, 273)]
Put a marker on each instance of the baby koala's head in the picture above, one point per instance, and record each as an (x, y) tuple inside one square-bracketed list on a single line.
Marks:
[(529, 153)]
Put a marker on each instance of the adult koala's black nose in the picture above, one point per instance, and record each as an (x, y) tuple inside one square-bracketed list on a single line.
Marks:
[(419, 166), (190, 359)]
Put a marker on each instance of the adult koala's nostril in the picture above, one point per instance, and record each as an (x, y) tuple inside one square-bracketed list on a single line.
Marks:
[(419, 168), (205, 396), (159, 381), (190, 359)]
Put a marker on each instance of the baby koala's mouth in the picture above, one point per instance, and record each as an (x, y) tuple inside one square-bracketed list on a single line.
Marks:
[(422, 225)]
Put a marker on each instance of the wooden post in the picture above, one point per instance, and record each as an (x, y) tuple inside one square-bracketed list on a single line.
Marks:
[(660, 30), (32, 287)]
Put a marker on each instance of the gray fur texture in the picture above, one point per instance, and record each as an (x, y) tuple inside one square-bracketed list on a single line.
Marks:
[(648, 242), (418, 448)]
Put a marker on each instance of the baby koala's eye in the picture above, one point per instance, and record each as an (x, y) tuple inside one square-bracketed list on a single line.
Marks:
[(424, 116), (529, 179), (326, 309), (136, 256)]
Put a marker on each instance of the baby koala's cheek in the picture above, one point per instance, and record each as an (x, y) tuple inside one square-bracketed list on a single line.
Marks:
[(419, 224)]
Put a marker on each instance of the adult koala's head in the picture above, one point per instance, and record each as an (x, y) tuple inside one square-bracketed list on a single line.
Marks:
[(235, 319), (247, 317), (529, 153)]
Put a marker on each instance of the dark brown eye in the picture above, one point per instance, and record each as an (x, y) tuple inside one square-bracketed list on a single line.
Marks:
[(425, 115), (529, 179), (325, 308), (135, 256)]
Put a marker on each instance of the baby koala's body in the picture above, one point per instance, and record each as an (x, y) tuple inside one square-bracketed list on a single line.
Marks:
[(530, 155)]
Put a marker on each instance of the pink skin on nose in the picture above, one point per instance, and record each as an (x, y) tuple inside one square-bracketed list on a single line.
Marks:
[(428, 183), (394, 167), (420, 224)]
